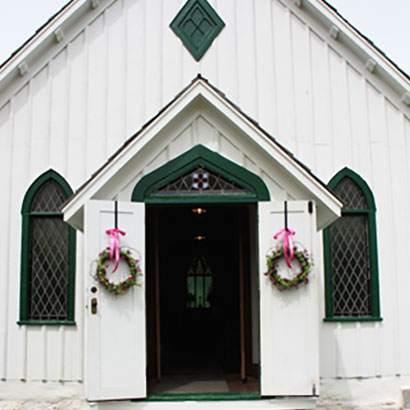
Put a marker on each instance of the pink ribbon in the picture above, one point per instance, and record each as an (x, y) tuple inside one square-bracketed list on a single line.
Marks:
[(287, 242), (115, 245)]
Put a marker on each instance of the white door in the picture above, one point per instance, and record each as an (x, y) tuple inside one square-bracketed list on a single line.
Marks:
[(289, 318), (115, 332)]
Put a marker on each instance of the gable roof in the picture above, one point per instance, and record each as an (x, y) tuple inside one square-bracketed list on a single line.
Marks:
[(329, 207), (61, 28)]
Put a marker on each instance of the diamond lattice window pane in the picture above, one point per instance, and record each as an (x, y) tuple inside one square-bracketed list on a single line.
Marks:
[(48, 198), (200, 181), (350, 266), (350, 194), (197, 25), (49, 268)]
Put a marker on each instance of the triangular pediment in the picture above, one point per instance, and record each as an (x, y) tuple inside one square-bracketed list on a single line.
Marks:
[(225, 131)]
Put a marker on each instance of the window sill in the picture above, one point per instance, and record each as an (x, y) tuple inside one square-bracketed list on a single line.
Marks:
[(353, 319), (47, 322)]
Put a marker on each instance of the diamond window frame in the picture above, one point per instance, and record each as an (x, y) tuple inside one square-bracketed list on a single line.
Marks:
[(197, 51), (369, 212), (27, 218)]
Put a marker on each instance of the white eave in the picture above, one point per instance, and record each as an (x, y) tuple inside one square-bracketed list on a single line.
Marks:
[(329, 207), (366, 53), (46, 43)]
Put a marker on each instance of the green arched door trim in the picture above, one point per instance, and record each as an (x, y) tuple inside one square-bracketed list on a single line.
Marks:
[(200, 155)]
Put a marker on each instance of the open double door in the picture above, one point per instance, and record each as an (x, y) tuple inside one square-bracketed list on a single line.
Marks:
[(198, 305)]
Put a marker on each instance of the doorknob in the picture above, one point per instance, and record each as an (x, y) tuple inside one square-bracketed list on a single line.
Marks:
[(94, 306)]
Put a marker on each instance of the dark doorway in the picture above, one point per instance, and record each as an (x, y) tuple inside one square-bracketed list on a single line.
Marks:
[(198, 284)]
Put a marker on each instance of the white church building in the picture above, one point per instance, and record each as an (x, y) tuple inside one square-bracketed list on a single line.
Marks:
[(206, 204)]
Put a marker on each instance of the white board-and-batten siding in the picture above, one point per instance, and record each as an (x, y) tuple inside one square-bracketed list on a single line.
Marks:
[(284, 71)]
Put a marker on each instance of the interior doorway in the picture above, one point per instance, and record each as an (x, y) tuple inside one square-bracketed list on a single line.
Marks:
[(199, 298)]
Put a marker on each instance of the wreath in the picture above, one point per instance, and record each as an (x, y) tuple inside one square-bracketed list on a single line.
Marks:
[(284, 283), (123, 286)]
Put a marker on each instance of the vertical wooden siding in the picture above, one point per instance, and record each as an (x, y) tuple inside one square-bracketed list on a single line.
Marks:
[(288, 75)]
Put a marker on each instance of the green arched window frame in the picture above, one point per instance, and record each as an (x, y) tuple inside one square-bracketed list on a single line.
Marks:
[(27, 215), (214, 162), (370, 213)]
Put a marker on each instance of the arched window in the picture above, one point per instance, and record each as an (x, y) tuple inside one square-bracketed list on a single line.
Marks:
[(350, 243), (48, 254)]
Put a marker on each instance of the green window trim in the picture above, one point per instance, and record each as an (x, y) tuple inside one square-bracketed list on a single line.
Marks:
[(370, 212), (25, 248), (200, 155)]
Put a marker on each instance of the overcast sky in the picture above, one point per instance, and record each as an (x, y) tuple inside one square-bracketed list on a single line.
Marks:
[(385, 22)]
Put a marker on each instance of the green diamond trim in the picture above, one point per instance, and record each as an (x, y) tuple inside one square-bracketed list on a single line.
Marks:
[(197, 25)]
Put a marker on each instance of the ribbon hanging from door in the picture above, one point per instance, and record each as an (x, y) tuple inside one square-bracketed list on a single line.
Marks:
[(115, 239), (287, 240)]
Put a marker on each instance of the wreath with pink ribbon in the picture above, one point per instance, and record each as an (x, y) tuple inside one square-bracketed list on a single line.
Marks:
[(114, 254), (290, 253)]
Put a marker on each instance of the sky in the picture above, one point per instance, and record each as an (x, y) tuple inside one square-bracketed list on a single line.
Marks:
[(385, 22)]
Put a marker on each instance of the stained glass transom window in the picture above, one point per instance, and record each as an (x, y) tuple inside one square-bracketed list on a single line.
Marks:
[(197, 25), (200, 181), (199, 284)]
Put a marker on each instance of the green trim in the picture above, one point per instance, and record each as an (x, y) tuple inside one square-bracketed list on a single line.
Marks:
[(359, 181), (197, 47), (25, 249), (205, 396), (200, 155), (353, 319), (47, 322), (373, 257)]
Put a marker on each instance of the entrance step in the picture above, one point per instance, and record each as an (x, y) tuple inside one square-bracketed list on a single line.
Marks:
[(272, 404)]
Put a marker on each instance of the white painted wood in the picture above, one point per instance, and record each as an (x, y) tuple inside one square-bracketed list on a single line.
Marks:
[(282, 48), (35, 354), (59, 82), (115, 335), (6, 150), (289, 341), (116, 77), (96, 95), (16, 335)]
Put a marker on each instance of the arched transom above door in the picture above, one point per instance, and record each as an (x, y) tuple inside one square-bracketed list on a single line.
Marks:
[(200, 175)]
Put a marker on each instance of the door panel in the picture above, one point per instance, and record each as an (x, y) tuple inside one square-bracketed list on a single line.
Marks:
[(289, 319), (115, 334)]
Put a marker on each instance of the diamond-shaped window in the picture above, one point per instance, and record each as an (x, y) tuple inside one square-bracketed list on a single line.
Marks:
[(197, 25)]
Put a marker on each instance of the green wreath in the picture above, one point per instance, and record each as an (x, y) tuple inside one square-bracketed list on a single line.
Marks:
[(120, 287), (284, 283)]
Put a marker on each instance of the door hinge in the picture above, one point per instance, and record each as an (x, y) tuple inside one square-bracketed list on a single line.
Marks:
[(310, 207)]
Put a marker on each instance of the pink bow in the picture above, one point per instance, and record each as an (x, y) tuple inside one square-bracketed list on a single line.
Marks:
[(287, 243), (115, 245)]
